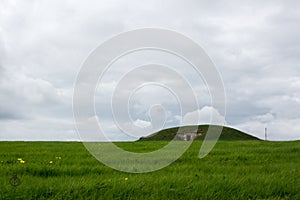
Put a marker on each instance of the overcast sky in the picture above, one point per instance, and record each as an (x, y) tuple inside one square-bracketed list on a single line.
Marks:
[(255, 45)]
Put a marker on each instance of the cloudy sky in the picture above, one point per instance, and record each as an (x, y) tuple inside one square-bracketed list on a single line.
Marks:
[(255, 45)]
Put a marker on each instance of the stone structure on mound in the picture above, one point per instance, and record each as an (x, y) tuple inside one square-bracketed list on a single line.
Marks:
[(189, 136)]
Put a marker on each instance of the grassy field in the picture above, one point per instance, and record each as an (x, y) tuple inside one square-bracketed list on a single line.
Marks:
[(233, 170)]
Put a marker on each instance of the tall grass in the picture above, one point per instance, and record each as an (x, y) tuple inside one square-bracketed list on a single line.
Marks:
[(233, 170)]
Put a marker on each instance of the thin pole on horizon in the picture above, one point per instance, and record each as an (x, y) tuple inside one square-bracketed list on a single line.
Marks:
[(266, 133)]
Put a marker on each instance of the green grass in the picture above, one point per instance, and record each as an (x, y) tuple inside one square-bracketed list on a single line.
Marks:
[(233, 170)]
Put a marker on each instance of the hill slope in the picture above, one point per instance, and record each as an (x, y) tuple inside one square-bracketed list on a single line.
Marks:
[(169, 134)]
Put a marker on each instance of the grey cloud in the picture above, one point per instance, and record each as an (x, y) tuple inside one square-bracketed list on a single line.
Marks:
[(254, 44)]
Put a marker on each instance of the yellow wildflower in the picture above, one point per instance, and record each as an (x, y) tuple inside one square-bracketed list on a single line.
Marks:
[(126, 179), (22, 161), (19, 159), (51, 162)]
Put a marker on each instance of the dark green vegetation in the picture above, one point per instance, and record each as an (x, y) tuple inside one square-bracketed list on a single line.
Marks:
[(246, 169), (227, 134)]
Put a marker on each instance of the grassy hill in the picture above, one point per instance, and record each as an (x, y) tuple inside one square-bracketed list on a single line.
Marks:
[(227, 134)]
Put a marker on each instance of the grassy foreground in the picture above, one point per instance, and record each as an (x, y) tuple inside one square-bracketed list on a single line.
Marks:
[(233, 170)]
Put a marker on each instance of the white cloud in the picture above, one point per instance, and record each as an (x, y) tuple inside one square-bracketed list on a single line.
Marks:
[(141, 123), (206, 115), (264, 118)]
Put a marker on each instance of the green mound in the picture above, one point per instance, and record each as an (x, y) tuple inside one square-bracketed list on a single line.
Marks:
[(183, 134)]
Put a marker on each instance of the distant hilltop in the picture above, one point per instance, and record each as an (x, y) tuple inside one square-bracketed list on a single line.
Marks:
[(185, 134)]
